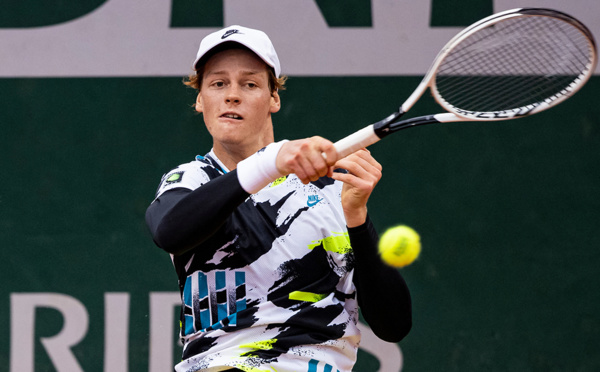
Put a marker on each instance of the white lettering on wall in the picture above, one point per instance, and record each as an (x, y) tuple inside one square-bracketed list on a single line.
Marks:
[(122, 38), (116, 332), (389, 354), (58, 347), (162, 309)]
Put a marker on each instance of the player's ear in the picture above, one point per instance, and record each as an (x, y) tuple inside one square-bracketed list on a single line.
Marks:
[(275, 102), (199, 106)]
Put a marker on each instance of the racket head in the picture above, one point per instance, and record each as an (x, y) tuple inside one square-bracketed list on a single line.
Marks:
[(512, 64)]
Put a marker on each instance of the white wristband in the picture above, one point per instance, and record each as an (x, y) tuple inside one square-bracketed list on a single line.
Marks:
[(260, 169)]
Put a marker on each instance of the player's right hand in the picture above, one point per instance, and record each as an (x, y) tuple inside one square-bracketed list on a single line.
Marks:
[(309, 158)]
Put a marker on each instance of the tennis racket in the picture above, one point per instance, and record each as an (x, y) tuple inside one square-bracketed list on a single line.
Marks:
[(509, 65)]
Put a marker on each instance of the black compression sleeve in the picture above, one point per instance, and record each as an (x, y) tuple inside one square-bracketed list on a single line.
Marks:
[(181, 219), (383, 295)]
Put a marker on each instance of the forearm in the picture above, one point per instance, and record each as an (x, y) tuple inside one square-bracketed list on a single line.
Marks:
[(383, 295), (356, 218), (181, 219)]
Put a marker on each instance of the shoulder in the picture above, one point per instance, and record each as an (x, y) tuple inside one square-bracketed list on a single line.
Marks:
[(189, 175)]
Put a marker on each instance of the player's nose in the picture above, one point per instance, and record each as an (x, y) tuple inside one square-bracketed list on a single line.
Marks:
[(233, 94)]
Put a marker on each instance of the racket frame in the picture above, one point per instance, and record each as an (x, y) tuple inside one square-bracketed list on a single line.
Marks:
[(376, 131)]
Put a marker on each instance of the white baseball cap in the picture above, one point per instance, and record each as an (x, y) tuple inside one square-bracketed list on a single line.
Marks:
[(255, 40)]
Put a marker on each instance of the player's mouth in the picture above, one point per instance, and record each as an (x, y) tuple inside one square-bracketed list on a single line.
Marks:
[(230, 115)]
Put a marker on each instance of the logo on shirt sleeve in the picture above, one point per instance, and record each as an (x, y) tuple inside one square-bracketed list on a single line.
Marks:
[(173, 178)]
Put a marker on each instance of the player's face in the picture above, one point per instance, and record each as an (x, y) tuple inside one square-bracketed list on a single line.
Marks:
[(236, 101)]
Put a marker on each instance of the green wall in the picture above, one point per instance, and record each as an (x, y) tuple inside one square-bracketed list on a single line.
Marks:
[(508, 213)]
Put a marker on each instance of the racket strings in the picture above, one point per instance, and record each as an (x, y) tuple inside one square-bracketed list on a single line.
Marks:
[(506, 61), (512, 64), (525, 88), (514, 89)]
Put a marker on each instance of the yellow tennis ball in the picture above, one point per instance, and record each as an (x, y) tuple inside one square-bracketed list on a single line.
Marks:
[(399, 246)]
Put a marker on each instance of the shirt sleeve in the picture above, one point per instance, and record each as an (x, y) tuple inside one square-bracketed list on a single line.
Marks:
[(180, 218), (187, 176), (382, 293)]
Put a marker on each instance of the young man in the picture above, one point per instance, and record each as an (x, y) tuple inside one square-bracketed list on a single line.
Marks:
[(271, 241)]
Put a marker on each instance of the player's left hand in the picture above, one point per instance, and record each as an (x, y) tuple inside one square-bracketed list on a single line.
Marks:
[(364, 172)]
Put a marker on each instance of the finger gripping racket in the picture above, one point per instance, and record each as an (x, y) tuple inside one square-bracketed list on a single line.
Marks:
[(509, 65)]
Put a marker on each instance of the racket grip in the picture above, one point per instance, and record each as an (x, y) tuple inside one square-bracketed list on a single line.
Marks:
[(356, 141)]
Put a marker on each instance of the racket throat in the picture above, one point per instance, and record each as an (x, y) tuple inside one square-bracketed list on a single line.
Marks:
[(393, 124), (384, 127)]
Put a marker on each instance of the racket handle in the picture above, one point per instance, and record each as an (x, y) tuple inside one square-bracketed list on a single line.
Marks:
[(356, 141)]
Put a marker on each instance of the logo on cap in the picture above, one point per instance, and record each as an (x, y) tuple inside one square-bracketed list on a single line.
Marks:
[(229, 33)]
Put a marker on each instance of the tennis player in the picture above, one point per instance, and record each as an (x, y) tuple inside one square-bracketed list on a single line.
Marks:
[(271, 241)]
